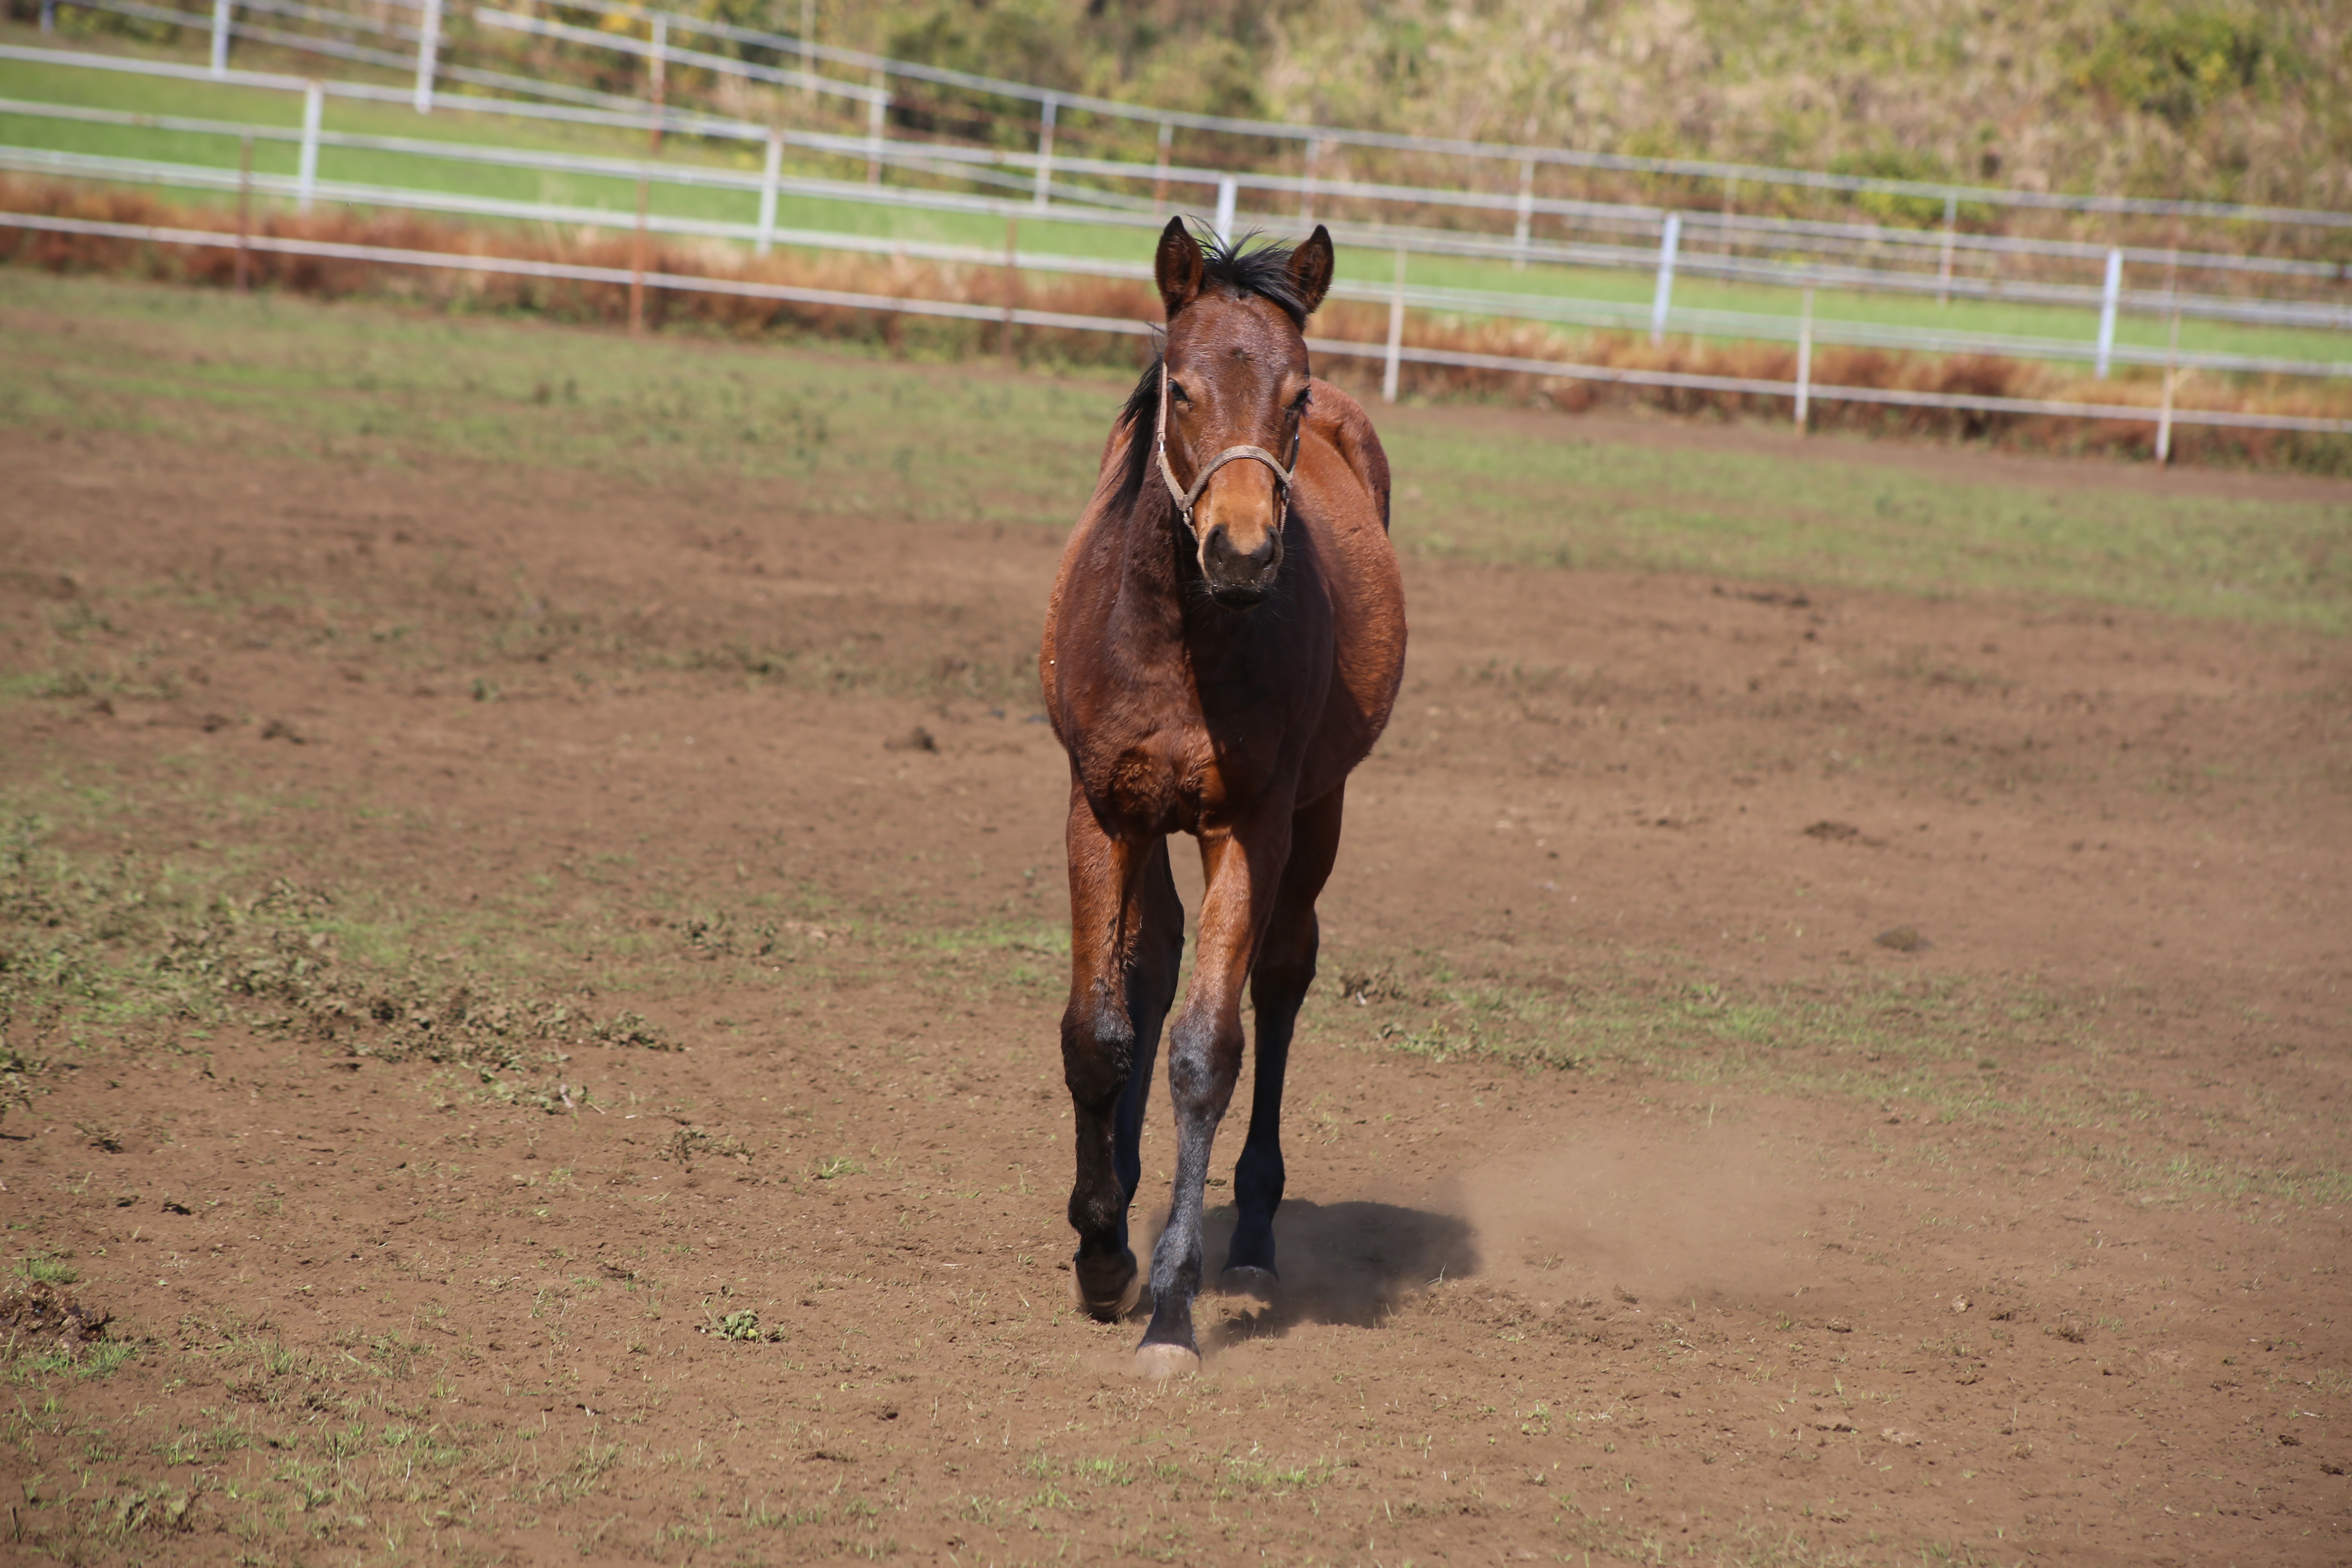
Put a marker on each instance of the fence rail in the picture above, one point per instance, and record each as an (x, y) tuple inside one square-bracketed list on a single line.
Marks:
[(1392, 353), (1731, 234)]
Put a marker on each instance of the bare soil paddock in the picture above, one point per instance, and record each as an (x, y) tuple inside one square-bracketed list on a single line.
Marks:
[(1644, 1204)]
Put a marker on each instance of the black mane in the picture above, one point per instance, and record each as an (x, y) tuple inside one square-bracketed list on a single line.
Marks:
[(1263, 271)]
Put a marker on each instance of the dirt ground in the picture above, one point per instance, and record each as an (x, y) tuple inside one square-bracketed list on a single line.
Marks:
[(2065, 1288)]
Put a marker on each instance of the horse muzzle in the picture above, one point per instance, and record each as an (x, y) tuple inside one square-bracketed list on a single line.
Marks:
[(1240, 578)]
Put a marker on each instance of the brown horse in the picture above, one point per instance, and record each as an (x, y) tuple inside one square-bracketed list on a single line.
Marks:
[(1223, 645)]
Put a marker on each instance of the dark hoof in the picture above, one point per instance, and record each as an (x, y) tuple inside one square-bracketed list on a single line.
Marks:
[(1108, 1288), (1245, 1280)]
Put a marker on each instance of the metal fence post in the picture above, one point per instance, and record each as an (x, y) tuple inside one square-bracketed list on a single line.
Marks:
[(1805, 362), (1944, 268), (1396, 334), (306, 180), (1668, 243), (769, 172), (1306, 186), (808, 45), (1045, 155), (877, 109), (1521, 230), (1224, 224), (49, 15), (428, 56), (1160, 178), (220, 36), (2107, 298)]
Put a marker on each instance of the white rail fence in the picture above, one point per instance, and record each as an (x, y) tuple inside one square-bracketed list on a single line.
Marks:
[(1802, 391), (663, 26), (1732, 234)]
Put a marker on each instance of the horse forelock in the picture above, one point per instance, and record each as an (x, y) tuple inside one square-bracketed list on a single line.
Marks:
[(1232, 267)]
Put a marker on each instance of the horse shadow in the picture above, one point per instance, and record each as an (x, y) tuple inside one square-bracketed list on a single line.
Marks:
[(1344, 1264)]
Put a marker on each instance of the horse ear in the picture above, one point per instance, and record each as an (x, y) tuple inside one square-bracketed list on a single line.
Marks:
[(1310, 269), (1177, 268)]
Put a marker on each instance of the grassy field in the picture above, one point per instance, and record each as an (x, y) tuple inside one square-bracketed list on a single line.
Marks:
[(200, 99), (401, 385)]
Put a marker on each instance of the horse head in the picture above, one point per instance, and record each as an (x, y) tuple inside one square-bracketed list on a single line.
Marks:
[(1233, 387)]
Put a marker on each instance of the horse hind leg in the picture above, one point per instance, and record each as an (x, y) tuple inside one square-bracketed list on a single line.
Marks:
[(1279, 983)]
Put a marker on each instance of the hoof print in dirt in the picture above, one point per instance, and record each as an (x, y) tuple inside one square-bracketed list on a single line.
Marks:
[(1903, 939), (915, 740), (279, 729)]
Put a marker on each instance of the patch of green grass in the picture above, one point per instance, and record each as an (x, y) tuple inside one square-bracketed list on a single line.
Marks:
[(367, 382), (47, 1268), (129, 944)]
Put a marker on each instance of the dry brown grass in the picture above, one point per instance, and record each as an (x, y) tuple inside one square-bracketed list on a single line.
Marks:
[(608, 303)]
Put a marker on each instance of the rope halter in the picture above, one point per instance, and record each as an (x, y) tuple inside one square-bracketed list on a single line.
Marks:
[(1186, 500)]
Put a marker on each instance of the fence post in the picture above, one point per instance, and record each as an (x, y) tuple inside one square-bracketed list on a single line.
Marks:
[(2171, 375), (1396, 334), (306, 180), (1668, 243), (49, 15), (1306, 186), (1944, 268), (1012, 283), (220, 36), (2107, 297), (637, 262), (808, 45), (1525, 225), (876, 109), (1224, 224), (657, 65), (1045, 155), (1160, 178), (428, 56), (244, 210), (1805, 362), (769, 172)]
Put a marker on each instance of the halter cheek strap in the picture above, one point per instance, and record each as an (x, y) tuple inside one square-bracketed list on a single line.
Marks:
[(1186, 500)]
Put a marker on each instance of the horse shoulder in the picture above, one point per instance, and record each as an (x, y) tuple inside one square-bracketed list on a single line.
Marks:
[(1075, 553), (1340, 420)]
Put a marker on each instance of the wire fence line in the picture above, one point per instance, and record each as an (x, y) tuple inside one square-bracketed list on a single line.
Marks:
[(1800, 392)]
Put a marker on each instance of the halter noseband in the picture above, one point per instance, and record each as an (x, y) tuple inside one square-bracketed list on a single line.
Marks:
[(1186, 500)]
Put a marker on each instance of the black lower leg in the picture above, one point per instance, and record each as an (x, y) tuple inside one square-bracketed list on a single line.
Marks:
[(1286, 968), (1097, 1053), (1200, 1072)]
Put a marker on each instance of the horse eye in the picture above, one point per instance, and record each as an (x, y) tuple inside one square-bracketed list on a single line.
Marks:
[(1177, 388)]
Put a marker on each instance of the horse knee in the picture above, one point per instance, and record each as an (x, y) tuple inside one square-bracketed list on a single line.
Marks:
[(1097, 1053), (1204, 1058)]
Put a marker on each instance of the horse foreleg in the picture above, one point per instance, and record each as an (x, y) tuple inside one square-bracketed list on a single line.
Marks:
[(1204, 1056), (1099, 1054), (1279, 983), (1159, 917)]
